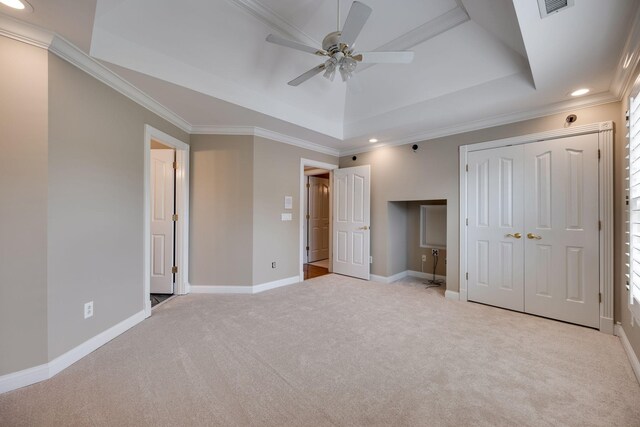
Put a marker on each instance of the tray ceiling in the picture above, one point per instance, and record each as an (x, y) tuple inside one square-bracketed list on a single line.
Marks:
[(477, 62)]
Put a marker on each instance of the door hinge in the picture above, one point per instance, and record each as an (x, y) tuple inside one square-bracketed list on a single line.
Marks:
[(174, 269), (307, 247), (466, 221), (466, 168), (599, 225), (308, 185), (599, 155), (308, 216), (175, 165), (467, 276), (174, 217), (600, 297)]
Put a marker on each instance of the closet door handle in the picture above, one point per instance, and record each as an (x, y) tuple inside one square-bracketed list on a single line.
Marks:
[(533, 236), (515, 235)]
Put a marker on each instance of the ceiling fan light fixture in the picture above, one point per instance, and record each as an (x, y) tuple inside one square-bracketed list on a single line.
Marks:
[(373, 140), (330, 69), (347, 67)]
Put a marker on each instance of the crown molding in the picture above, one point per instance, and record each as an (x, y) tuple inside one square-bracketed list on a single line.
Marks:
[(264, 133), (274, 21), (623, 80), (86, 63), (26, 33), (44, 39), (504, 119)]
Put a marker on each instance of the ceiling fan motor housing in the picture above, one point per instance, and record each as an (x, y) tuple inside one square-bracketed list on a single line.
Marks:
[(331, 43)]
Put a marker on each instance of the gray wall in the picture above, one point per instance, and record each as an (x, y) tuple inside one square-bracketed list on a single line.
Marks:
[(396, 237), (276, 175), (23, 206), (221, 210), (95, 227), (397, 173)]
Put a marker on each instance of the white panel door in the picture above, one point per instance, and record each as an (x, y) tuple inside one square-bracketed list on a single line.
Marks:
[(351, 219), (495, 250), (318, 218), (561, 229), (162, 209)]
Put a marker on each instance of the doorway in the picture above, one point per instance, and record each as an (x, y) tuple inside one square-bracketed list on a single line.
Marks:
[(315, 213), (166, 217), (317, 222), (163, 221)]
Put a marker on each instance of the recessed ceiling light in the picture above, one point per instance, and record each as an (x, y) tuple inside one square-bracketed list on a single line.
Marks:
[(18, 4), (580, 92), (373, 140)]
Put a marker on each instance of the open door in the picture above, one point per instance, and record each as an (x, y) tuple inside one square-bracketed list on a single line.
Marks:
[(318, 241), (351, 220), (162, 230)]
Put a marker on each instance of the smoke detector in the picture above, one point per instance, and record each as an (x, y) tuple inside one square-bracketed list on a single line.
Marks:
[(549, 7)]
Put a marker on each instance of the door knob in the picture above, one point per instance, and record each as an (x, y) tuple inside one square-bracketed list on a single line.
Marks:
[(533, 236), (515, 235), (363, 228)]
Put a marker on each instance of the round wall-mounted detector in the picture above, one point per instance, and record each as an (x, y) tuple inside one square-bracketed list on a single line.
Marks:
[(580, 92), (354, 158), (373, 140), (571, 118), (22, 5)]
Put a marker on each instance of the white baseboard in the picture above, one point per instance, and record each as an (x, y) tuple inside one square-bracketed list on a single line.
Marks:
[(607, 325), (276, 284), (378, 279), (633, 357), (244, 289), (452, 295), (43, 372), (387, 279), (403, 274), (24, 378)]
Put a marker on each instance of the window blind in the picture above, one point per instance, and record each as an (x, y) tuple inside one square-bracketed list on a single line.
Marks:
[(633, 205)]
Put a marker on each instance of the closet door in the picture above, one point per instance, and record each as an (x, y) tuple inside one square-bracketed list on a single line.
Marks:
[(495, 242), (561, 229)]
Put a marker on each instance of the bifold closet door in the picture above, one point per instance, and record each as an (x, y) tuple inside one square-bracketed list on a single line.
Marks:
[(495, 250), (561, 229)]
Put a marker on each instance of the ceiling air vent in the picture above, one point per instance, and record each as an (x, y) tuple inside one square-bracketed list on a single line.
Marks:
[(549, 7)]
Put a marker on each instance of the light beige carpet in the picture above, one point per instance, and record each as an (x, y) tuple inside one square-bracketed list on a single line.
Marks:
[(339, 351)]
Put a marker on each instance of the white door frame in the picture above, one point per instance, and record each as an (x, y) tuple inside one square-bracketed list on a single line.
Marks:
[(605, 182), (182, 208), (330, 168)]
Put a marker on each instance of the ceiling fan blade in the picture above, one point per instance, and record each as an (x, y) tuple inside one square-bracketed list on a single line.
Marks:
[(306, 76), (404, 57), (358, 15), (272, 38)]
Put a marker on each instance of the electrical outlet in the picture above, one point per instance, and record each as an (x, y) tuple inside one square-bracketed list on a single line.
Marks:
[(273, 264), (424, 257), (88, 309), (370, 260), (435, 252)]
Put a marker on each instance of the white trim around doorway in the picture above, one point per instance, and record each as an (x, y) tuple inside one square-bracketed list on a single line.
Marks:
[(182, 208), (330, 168), (605, 145)]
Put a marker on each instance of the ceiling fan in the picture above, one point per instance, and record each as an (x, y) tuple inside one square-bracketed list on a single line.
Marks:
[(338, 46)]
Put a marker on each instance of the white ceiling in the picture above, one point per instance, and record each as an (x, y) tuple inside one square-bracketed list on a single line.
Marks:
[(477, 62)]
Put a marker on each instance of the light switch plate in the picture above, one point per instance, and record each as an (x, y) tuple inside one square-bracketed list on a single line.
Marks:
[(287, 217), (288, 202)]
